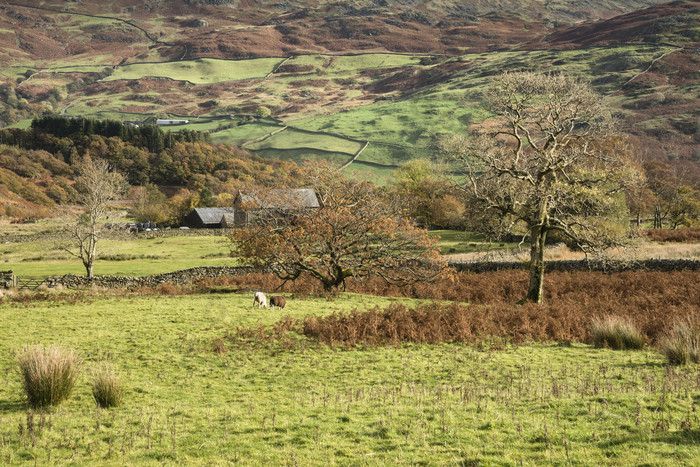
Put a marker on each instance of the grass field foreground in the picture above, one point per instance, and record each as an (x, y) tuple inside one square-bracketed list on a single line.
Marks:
[(265, 405)]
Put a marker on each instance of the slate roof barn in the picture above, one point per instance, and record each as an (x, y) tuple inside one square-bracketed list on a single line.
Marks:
[(207, 218), (249, 204)]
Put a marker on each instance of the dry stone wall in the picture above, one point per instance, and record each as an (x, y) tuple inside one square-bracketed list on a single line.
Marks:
[(187, 276), (577, 265), (183, 277)]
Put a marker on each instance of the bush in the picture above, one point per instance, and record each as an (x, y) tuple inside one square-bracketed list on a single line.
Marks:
[(616, 333), (107, 388), (681, 235), (681, 344), (49, 374)]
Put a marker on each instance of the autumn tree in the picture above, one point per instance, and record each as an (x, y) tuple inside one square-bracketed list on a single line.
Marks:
[(356, 232), (428, 193), (97, 187), (549, 162)]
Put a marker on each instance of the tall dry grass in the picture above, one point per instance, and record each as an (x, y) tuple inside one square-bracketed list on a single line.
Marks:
[(48, 373), (616, 333), (681, 344), (107, 388)]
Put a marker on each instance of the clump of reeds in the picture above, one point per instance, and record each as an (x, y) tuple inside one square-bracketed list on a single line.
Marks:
[(616, 333), (48, 373), (107, 387), (681, 344)]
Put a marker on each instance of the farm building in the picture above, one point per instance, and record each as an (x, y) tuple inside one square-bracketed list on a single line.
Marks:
[(167, 121), (250, 205), (210, 218)]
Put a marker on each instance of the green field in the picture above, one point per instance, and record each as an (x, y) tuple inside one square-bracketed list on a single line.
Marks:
[(264, 404), (140, 257), (291, 139), (200, 71)]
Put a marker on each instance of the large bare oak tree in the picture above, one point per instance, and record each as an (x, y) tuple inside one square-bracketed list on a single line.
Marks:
[(550, 161), (356, 232)]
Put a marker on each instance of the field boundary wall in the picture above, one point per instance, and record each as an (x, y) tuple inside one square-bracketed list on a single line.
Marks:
[(187, 276)]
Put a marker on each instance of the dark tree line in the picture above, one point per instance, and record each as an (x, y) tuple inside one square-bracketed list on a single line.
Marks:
[(147, 136)]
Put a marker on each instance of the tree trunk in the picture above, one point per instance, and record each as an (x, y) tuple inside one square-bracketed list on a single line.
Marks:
[(657, 218), (538, 234)]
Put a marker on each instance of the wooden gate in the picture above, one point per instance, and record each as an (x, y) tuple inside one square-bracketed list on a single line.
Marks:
[(29, 282)]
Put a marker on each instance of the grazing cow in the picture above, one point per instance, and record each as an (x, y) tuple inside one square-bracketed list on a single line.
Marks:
[(277, 300), (260, 299)]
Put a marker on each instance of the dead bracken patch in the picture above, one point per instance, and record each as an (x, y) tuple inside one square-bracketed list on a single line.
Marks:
[(653, 300)]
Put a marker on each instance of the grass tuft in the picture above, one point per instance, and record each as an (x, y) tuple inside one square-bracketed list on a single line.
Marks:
[(681, 344), (107, 387), (616, 333), (48, 373)]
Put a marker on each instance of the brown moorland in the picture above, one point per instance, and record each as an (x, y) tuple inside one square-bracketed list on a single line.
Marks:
[(478, 308)]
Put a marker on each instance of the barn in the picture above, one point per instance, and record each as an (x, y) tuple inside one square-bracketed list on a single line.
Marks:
[(209, 218), (249, 206)]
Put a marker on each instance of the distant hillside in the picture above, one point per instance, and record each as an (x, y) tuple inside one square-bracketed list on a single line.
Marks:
[(368, 84)]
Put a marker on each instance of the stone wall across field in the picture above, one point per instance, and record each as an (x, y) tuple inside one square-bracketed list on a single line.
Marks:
[(183, 277), (187, 276), (577, 265), (119, 235)]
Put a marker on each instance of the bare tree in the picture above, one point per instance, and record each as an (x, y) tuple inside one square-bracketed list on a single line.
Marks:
[(549, 162), (97, 186), (356, 232)]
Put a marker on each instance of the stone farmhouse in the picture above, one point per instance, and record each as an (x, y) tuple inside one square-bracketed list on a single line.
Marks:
[(252, 207)]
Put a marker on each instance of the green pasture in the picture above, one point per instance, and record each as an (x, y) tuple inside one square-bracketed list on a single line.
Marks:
[(455, 242), (301, 155), (352, 64), (292, 139), (380, 175), (242, 133), (200, 71), (304, 404), (417, 121), (139, 256)]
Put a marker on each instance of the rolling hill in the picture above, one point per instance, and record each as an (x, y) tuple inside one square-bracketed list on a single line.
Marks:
[(366, 83)]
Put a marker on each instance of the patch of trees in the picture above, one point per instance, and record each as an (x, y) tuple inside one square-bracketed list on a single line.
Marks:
[(41, 162), (146, 153), (147, 136)]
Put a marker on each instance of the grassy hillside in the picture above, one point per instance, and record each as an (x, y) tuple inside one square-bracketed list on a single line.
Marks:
[(341, 76)]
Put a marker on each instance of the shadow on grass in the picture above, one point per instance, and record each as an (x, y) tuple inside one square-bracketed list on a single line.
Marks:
[(686, 437), (7, 407)]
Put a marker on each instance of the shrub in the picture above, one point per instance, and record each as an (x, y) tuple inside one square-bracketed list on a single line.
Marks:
[(617, 333), (49, 374), (681, 344), (107, 388)]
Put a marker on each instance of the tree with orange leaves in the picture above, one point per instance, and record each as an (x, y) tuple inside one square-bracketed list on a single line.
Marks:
[(356, 232)]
